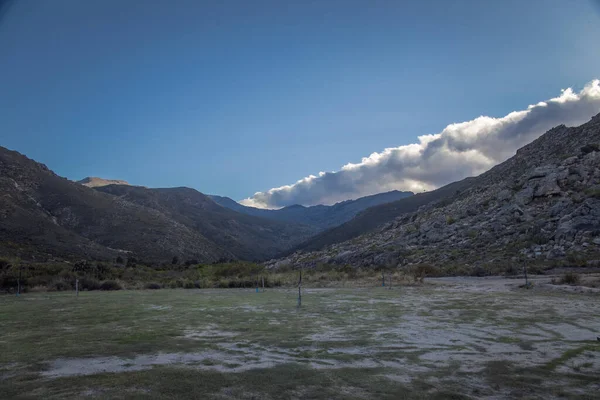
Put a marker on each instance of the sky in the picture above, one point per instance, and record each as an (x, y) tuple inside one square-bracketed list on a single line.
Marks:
[(246, 99)]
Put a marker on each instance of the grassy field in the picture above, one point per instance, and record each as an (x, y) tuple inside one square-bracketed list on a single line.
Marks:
[(409, 342)]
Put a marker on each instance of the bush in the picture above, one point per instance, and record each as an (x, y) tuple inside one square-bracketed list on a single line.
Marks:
[(589, 148), (4, 265), (421, 271), (187, 284), (511, 270), (570, 278), (593, 192), (450, 220), (59, 286), (478, 271), (89, 284), (110, 285), (153, 286)]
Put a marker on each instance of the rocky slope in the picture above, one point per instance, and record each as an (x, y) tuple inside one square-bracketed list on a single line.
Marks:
[(321, 217), (44, 216), (371, 218), (541, 206)]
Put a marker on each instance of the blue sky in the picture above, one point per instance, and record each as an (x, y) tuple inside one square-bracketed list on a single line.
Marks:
[(235, 97)]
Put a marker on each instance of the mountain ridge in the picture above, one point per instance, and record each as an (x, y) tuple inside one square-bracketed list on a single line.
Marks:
[(540, 206), (319, 216), (45, 216)]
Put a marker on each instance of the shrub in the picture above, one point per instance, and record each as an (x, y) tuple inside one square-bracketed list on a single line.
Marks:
[(421, 271), (478, 271), (188, 284), (111, 285), (81, 266), (38, 288), (119, 260), (593, 192), (512, 270), (153, 286), (570, 278), (89, 284), (4, 265), (589, 148), (575, 260), (59, 286), (102, 271), (450, 220), (175, 260)]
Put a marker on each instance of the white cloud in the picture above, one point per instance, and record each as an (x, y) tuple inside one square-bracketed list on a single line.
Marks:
[(460, 150)]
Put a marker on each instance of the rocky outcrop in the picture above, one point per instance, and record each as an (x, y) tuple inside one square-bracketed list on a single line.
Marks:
[(541, 206)]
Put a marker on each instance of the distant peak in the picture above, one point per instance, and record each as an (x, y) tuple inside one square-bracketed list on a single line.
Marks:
[(93, 181)]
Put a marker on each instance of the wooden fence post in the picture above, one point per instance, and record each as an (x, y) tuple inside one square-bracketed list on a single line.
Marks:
[(300, 289), (19, 281)]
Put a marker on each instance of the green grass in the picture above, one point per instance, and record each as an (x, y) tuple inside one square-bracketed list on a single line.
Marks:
[(410, 342)]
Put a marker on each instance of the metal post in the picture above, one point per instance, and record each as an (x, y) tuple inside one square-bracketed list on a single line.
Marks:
[(526, 281), (382, 278), (77, 287), (263, 282), (390, 281)]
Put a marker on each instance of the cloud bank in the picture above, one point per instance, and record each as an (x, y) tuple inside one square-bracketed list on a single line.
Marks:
[(460, 150)]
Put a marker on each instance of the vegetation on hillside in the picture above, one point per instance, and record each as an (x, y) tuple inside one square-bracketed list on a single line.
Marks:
[(132, 274)]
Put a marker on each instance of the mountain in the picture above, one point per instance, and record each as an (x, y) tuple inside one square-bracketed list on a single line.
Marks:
[(541, 206), (371, 218), (44, 216), (321, 217), (246, 236), (92, 181)]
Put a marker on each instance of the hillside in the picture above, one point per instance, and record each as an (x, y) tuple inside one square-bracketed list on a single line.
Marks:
[(321, 216), (246, 236), (373, 217), (44, 216), (540, 206)]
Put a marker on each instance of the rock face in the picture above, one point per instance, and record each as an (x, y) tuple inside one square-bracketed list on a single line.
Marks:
[(44, 216), (541, 206)]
